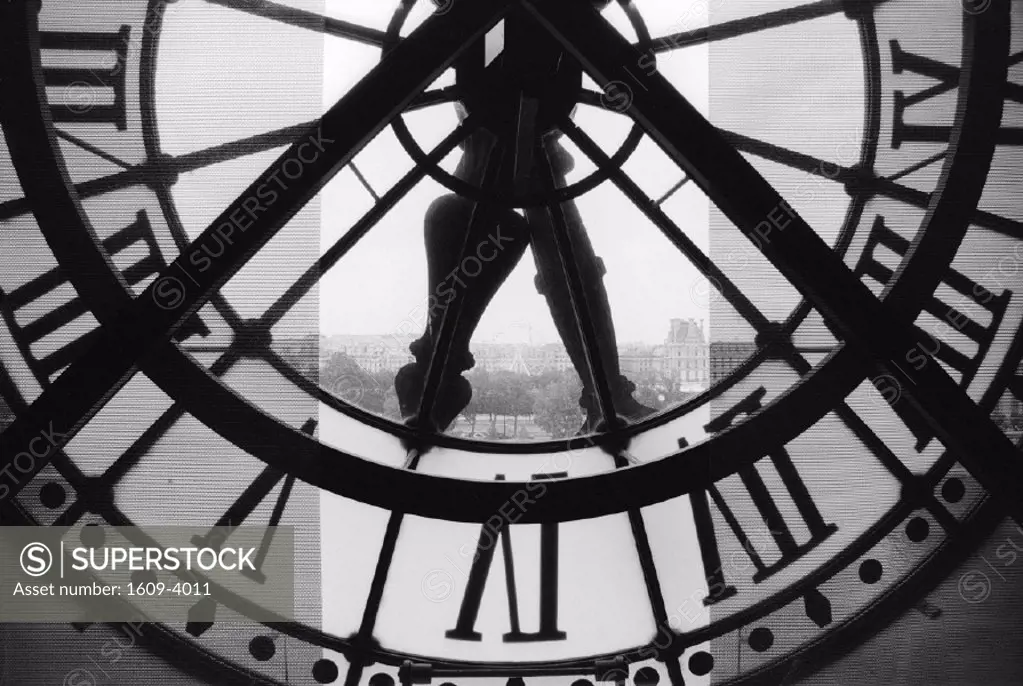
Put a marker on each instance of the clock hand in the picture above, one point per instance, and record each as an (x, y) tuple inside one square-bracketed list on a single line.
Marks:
[(145, 324)]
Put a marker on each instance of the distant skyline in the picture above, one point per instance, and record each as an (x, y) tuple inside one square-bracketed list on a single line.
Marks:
[(477, 340)]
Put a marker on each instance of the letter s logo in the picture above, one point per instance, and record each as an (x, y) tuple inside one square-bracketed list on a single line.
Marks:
[(36, 559)]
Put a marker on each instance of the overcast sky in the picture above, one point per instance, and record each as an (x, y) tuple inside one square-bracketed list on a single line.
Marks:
[(382, 282)]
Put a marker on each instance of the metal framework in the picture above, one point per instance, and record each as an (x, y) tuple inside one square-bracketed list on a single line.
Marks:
[(875, 333)]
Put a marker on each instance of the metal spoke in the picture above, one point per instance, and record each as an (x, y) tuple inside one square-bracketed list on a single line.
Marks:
[(671, 191), (89, 147), (888, 459), (137, 450), (340, 248), (651, 581), (760, 22), (165, 168), (791, 158), (863, 181), (127, 460), (919, 165), (364, 181), (593, 99), (738, 300), (359, 656), (225, 152), (304, 19)]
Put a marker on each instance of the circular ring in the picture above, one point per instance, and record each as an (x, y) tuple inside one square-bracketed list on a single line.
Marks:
[(513, 200)]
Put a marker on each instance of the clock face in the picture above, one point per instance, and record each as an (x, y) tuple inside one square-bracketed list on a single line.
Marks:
[(702, 439)]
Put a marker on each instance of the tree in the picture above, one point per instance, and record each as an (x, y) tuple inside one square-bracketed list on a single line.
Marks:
[(556, 407), (489, 395), (482, 395), (520, 400), (375, 389), (470, 411), (650, 395), (392, 410), (344, 378), (501, 393), (659, 392), (547, 376), (336, 369)]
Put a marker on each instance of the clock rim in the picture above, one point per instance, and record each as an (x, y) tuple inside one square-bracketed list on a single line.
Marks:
[(919, 568)]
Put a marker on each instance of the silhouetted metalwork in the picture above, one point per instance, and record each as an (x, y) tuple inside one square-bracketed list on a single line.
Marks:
[(520, 97), (34, 147)]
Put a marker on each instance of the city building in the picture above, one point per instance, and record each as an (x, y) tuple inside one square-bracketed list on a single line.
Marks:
[(686, 353), (373, 353), (683, 358)]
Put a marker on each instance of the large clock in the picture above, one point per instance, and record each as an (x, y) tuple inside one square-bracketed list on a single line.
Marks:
[(218, 217)]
